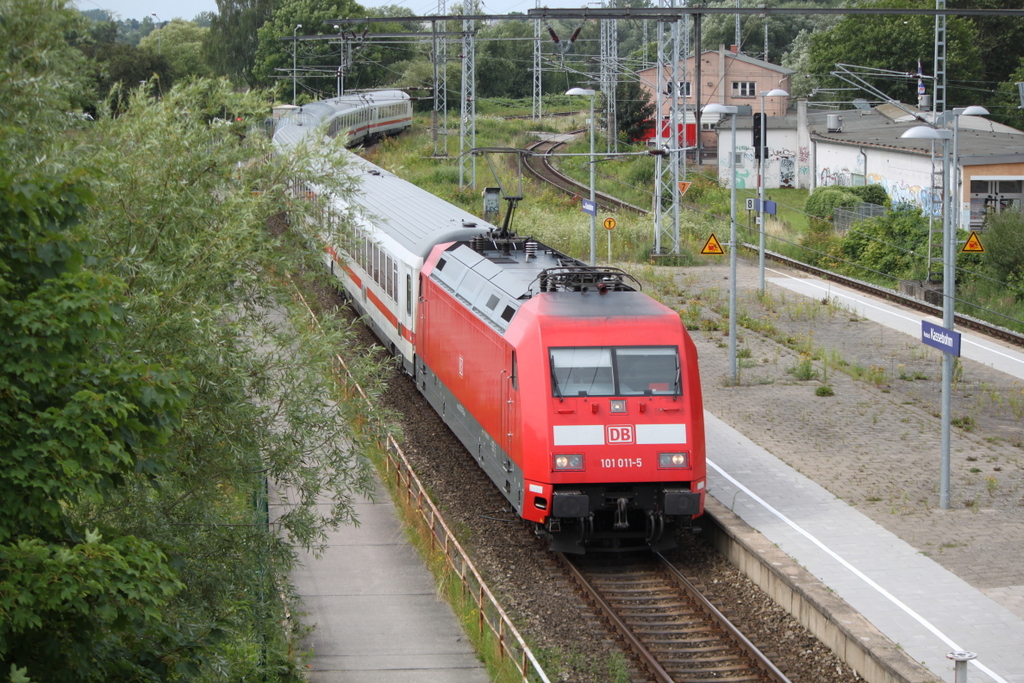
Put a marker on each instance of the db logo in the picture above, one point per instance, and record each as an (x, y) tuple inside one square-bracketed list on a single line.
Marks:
[(619, 433)]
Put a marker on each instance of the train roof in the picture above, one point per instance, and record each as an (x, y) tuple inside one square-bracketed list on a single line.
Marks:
[(413, 217), (494, 277)]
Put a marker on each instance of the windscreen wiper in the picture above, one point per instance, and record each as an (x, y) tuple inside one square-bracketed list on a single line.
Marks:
[(554, 379)]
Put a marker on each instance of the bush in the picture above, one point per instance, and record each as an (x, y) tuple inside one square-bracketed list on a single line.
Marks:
[(1004, 244), (874, 194), (823, 202), (895, 244)]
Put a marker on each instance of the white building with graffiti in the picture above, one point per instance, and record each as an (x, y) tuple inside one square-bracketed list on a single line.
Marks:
[(863, 146)]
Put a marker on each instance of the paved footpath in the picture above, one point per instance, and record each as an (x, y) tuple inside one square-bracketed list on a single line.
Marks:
[(375, 608), (864, 447)]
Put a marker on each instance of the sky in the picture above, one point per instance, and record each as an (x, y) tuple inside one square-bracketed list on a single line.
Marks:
[(166, 10)]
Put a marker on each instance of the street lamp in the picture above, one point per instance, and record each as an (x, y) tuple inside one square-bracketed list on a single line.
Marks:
[(727, 109), (593, 216), (957, 190), (295, 56), (159, 36), (948, 294), (762, 161)]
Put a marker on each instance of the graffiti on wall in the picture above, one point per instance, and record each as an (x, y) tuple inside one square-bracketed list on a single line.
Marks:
[(909, 195), (827, 177), (787, 172)]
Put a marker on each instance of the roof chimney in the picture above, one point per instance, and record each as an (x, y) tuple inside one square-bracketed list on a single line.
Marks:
[(734, 49)]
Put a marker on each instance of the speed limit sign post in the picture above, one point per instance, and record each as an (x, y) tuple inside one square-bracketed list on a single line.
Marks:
[(609, 225)]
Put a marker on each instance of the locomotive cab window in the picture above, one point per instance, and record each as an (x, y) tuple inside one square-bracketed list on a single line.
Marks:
[(615, 371)]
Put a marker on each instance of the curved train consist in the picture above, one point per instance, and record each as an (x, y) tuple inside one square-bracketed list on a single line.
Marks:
[(577, 394)]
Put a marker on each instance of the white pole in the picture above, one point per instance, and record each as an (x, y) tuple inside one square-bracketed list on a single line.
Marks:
[(593, 203)]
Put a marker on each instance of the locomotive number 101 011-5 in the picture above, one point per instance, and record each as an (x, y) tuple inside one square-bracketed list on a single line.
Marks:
[(622, 462)]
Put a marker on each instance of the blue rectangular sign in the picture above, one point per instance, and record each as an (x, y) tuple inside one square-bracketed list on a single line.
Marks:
[(590, 207), (940, 337)]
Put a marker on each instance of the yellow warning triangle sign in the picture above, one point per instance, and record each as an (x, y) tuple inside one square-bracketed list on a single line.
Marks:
[(973, 243), (712, 247)]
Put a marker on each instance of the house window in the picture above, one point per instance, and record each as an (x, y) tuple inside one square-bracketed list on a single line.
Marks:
[(684, 88), (744, 89)]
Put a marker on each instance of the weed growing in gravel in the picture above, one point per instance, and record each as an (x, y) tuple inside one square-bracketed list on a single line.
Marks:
[(965, 423), (804, 370), (824, 390)]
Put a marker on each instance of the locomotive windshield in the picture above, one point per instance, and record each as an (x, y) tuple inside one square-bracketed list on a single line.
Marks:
[(615, 371)]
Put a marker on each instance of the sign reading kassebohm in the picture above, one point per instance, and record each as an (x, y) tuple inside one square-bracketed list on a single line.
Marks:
[(940, 337)]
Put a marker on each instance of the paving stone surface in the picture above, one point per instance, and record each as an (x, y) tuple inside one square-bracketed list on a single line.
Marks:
[(876, 442)]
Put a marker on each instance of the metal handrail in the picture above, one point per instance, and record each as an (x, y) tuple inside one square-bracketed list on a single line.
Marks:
[(491, 613)]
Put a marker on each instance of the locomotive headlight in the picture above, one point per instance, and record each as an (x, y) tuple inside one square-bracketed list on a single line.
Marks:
[(568, 462), (673, 460)]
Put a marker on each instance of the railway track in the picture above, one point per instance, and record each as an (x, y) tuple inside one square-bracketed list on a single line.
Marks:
[(539, 165), (674, 631)]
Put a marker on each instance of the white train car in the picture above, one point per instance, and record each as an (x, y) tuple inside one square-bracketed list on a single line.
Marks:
[(395, 224), (360, 117)]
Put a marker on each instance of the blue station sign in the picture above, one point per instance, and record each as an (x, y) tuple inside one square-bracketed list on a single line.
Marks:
[(940, 338), (590, 207)]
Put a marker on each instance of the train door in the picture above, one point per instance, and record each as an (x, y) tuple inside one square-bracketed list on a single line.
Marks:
[(407, 294), (511, 435), (510, 405)]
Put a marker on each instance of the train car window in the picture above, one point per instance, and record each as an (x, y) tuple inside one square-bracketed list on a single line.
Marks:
[(408, 294), (615, 371)]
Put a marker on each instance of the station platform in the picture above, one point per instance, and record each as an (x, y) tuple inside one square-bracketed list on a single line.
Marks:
[(375, 609), (925, 609)]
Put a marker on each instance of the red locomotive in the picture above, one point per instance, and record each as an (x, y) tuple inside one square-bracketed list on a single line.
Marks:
[(577, 394)]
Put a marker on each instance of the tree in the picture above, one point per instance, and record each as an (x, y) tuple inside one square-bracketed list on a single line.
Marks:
[(180, 43), (720, 29), (634, 108), (505, 60), (134, 538), (898, 43), (1004, 248), (207, 293), (43, 75), (1000, 39), (318, 60), (230, 46)]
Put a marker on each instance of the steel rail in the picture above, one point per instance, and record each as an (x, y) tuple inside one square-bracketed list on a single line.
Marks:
[(745, 653), (744, 643)]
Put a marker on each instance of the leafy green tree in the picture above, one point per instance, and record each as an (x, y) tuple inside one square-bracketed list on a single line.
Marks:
[(207, 293), (180, 43), (135, 539), (720, 29), (634, 109), (318, 60), (505, 60), (43, 75), (897, 42), (231, 44), (1000, 40), (1004, 248)]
